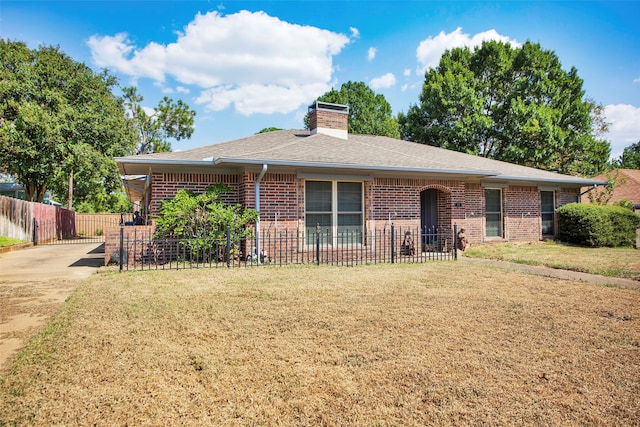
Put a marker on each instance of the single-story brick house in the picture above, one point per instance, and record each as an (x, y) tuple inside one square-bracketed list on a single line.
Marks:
[(298, 179), (627, 188)]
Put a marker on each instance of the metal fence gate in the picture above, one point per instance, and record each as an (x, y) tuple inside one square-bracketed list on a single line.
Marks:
[(84, 228)]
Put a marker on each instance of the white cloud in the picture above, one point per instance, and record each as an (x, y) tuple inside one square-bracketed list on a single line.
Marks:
[(182, 89), (404, 87), (355, 33), (636, 80), (407, 72), (430, 50), (250, 60), (624, 128), (371, 53), (384, 81), (254, 98)]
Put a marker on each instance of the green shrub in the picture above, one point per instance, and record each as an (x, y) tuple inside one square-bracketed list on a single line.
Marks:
[(203, 220), (625, 222), (595, 225)]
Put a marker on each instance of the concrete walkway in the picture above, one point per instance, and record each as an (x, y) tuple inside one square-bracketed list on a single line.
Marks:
[(555, 272), (34, 283)]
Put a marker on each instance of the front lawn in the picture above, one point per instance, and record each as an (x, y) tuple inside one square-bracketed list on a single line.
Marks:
[(444, 343), (613, 262)]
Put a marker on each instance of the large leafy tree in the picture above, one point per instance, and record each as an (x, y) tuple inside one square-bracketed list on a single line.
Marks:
[(57, 117), (630, 158), (369, 113), (511, 104), (154, 128)]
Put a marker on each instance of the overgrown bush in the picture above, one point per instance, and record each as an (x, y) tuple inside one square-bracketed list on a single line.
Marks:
[(595, 225), (200, 221)]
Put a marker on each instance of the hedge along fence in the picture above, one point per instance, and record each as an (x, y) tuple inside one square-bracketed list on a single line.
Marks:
[(595, 225)]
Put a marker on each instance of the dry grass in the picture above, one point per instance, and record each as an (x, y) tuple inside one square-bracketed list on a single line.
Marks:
[(612, 262), (366, 346)]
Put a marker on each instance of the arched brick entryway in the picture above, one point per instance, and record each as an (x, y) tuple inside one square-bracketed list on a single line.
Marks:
[(435, 211)]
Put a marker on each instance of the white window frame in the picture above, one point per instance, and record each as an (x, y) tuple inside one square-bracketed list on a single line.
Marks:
[(552, 212), (334, 209), (501, 234)]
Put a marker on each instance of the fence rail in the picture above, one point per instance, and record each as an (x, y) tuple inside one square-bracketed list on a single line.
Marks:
[(79, 228), (141, 251)]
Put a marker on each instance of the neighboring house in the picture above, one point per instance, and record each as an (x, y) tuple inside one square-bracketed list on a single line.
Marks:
[(16, 191), (299, 179), (627, 188)]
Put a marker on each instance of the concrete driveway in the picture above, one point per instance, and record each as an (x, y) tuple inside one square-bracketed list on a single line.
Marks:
[(34, 283)]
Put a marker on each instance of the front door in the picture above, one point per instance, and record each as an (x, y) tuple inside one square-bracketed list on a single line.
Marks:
[(429, 216)]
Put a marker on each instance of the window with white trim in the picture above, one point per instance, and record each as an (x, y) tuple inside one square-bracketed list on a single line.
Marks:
[(337, 207), (493, 212), (547, 199)]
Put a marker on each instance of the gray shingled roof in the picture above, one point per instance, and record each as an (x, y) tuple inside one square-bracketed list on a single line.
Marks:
[(297, 148)]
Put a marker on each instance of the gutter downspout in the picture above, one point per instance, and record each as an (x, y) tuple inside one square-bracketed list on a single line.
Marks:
[(258, 179), (587, 191)]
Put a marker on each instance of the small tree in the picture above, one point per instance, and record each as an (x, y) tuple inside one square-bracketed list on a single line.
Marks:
[(203, 219), (603, 195), (153, 129)]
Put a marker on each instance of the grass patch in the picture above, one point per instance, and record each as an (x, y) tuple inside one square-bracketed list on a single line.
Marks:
[(612, 262), (370, 345), (9, 241)]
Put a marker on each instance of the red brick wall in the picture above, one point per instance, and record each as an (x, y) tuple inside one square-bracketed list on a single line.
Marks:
[(522, 213), (567, 195), (398, 199), (165, 186), (135, 237), (328, 120), (473, 222), (279, 200)]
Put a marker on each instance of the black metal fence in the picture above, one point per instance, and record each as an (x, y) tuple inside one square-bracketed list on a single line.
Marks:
[(141, 251)]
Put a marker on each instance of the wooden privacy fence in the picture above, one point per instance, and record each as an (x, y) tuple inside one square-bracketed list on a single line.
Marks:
[(20, 219), (47, 224), (95, 224)]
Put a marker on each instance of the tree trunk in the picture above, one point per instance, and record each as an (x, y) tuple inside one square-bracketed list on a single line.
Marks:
[(41, 190), (29, 192), (70, 197)]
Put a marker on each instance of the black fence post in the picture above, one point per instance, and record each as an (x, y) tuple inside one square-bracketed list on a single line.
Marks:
[(318, 244), (228, 246), (455, 241), (121, 246), (35, 232), (393, 244)]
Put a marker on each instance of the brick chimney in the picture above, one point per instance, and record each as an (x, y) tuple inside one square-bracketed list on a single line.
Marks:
[(329, 119)]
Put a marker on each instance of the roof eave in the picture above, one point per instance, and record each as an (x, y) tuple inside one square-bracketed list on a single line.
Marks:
[(211, 161), (559, 180), (324, 165), (123, 161)]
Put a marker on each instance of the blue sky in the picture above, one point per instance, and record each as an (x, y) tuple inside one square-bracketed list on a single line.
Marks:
[(245, 65)]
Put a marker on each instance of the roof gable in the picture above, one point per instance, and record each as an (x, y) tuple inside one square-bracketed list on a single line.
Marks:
[(628, 185)]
